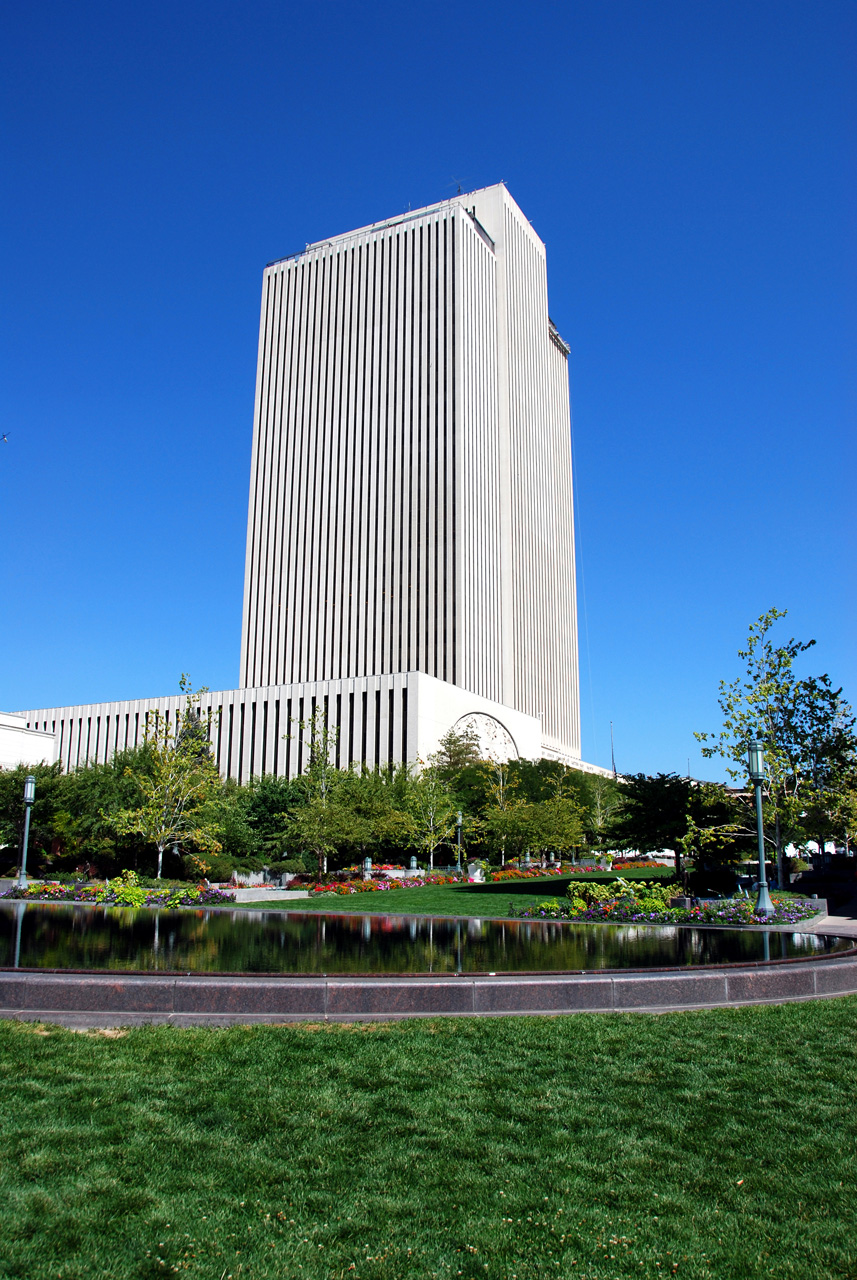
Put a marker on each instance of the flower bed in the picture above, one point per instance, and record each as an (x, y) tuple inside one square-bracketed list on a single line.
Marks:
[(729, 911), (532, 873), (381, 886), (622, 864), (122, 893)]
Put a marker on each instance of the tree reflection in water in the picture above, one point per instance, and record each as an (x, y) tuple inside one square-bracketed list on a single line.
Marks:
[(69, 936)]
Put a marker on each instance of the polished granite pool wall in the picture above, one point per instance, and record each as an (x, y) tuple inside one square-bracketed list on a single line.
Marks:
[(106, 1000), (121, 998)]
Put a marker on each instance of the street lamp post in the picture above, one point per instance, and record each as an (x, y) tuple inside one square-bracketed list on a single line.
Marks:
[(756, 767), (458, 841), (29, 797)]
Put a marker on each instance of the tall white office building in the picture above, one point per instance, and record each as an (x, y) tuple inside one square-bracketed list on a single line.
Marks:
[(411, 488), (410, 537)]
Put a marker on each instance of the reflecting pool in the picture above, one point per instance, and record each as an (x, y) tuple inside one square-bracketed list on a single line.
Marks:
[(69, 936)]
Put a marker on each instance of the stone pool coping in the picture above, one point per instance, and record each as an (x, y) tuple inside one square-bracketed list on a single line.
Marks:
[(100, 1000)]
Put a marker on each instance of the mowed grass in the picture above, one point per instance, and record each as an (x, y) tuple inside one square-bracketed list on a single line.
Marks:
[(717, 1144), (433, 900)]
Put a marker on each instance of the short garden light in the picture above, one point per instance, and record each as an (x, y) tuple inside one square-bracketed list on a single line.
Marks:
[(756, 769), (29, 798)]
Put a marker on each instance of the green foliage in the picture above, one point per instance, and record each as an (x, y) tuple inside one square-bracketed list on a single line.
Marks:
[(693, 819), (49, 781), (551, 907), (456, 753), (653, 813), (590, 892), (808, 731), (290, 866), (378, 801), (555, 825), (83, 828), (178, 799), (647, 896), (433, 811), (126, 890)]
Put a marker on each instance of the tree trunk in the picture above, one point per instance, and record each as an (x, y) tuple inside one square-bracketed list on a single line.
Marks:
[(160, 860), (780, 859)]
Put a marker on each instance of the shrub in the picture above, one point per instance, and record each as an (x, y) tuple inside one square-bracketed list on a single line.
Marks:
[(641, 895), (289, 866), (124, 891)]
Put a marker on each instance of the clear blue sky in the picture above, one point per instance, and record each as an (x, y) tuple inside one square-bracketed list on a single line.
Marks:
[(691, 169)]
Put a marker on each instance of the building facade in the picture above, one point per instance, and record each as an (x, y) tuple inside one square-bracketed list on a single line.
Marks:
[(410, 538), (411, 488)]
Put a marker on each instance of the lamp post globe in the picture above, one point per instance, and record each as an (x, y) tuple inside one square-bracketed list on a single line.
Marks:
[(756, 760), (29, 798), (756, 770)]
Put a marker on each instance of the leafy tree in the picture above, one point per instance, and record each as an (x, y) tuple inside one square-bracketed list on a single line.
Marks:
[(653, 813), (536, 780), (231, 815), (807, 729), (193, 737), (320, 827), (666, 811), (603, 800), (49, 784), (322, 824), (503, 819), (507, 828), (377, 800), (85, 836), (554, 825), (455, 753), (433, 810), (177, 799)]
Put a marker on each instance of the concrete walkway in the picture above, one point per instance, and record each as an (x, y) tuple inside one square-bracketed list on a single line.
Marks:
[(844, 922)]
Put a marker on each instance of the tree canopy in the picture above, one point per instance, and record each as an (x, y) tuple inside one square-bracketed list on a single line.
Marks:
[(808, 732)]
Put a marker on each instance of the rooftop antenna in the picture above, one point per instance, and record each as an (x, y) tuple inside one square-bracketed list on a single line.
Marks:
[(612, 755)]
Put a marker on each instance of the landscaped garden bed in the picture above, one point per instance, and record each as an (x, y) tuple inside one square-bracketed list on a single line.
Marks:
[(649, 903), (124, 891)]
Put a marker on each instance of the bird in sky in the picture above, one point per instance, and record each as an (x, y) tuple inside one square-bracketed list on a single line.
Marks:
[(5, 439)]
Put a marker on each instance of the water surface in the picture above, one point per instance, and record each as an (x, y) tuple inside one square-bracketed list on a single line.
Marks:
[(69, 936)]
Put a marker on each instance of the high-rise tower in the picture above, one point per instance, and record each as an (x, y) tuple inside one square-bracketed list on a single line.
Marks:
[(410, 540), (411, 488)]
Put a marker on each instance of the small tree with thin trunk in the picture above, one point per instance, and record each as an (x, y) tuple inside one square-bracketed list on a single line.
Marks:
[(178, 795), (434, 811), (323, 824), (808, 733)]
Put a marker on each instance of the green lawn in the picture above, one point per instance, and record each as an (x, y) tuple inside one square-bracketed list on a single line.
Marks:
[(712, 1144), (433, 900)]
